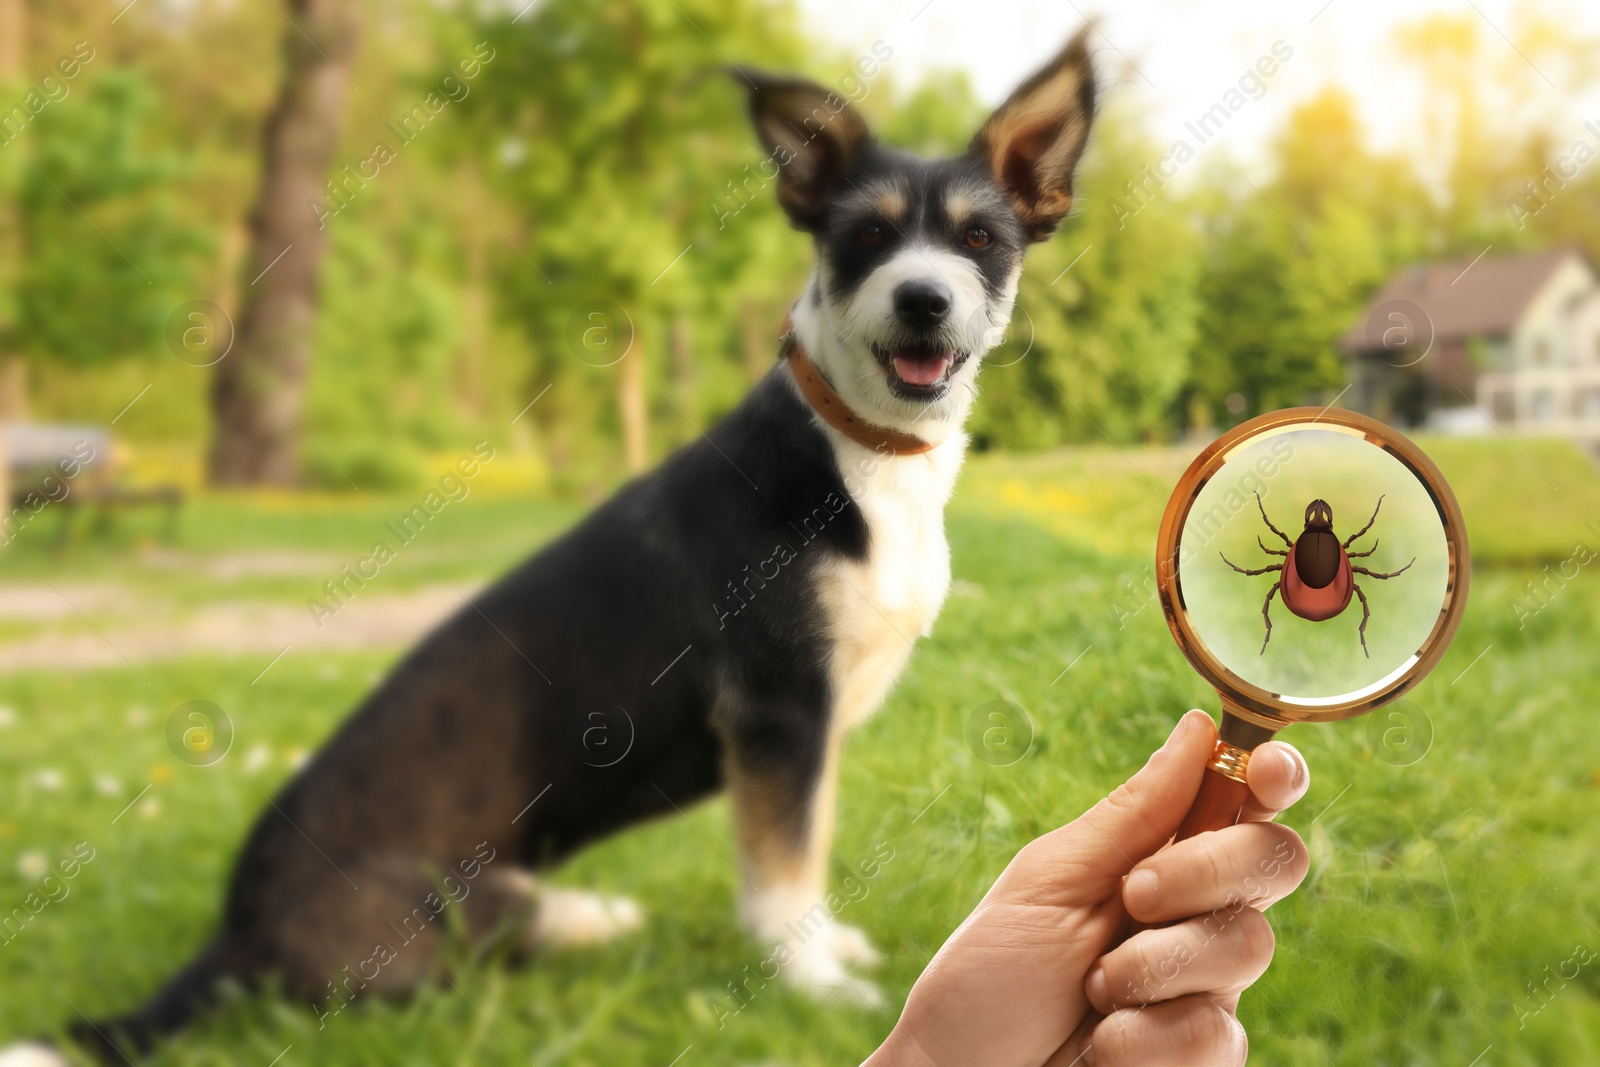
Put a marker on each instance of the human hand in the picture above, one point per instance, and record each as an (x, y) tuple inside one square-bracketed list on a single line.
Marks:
[(1044, 967)]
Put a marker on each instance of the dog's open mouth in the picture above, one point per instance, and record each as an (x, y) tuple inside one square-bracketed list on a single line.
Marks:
[(917, 371)]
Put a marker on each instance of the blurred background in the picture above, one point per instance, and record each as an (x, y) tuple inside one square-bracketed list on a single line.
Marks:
[(269, 270)]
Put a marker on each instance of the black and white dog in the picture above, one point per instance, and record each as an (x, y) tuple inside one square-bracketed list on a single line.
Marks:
[(733, 613)]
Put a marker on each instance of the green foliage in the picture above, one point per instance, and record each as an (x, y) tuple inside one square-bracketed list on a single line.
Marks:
[(371, 466), (937, 118), (108, 248), (629, 154), (388, 336), (603, 155)]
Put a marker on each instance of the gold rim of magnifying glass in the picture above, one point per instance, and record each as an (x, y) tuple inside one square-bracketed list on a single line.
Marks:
[(1262, 706)]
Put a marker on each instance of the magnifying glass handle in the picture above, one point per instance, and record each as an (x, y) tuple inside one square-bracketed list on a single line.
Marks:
[(1223, 791), (1219, 802)]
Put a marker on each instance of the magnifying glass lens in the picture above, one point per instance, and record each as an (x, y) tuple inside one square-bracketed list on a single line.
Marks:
[(1315, 565)]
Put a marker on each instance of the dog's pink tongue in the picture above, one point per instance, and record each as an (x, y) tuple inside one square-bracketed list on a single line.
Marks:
[(921, 368)]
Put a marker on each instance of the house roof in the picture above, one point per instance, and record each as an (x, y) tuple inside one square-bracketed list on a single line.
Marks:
[(1464, 299)]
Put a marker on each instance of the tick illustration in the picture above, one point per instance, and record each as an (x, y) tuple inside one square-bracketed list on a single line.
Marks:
[(1317, 576)]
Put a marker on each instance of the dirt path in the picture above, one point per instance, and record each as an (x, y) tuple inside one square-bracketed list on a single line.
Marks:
[(139, 631)]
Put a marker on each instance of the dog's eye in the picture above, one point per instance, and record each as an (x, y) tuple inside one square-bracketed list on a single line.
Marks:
[(869, 235), (978, 237)]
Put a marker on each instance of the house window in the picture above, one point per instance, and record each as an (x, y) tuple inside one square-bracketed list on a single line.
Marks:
[(1590, 408), (1542, 407), (1541, 352)]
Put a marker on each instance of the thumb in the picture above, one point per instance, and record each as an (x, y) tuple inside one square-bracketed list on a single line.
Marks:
[(1086, 860)]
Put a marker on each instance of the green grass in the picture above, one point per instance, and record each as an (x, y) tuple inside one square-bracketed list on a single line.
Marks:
[(1439, 891)]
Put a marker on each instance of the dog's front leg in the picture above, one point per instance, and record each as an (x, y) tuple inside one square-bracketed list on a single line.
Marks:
[(782, 790)]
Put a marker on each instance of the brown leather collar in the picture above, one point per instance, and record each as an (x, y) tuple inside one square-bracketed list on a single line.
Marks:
[(828, 404)]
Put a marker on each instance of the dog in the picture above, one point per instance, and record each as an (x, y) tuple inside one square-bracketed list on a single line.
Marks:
[(723, 620)]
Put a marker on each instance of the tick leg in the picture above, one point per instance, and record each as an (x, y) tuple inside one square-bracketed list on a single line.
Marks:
[(1269, 551), (1368, 552), (1366, 613), (1241, 570), (1265, 604), (1375, 574), (1268, 521), (1351, 539)]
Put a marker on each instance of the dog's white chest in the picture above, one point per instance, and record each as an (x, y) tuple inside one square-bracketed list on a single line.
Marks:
[(878, 608)]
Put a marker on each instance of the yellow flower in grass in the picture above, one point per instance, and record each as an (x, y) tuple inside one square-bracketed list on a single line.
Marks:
[(257, 758)]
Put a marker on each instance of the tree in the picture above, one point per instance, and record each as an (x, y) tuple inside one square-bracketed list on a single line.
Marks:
[(100, 228), (638, 183), (258, 389), (13, 389)]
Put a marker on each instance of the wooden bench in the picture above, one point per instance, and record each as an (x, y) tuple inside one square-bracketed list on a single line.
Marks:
[(74, 470)]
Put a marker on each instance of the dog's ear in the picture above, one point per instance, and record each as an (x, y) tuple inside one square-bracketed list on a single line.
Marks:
[(813, 135), (1032, 143)]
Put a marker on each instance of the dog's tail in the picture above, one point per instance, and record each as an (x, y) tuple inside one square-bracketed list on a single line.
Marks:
[(121, 1039)]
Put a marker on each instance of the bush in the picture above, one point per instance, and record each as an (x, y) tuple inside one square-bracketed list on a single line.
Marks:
[(364, 465)]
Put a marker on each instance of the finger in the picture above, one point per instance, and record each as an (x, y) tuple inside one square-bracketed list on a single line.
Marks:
[(1191, 1032), (1278, 776), (1220, 953), (1256, 863), (1084, 861), (1070, 1054)]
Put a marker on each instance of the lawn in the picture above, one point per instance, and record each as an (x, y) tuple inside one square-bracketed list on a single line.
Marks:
[(1446, 897)]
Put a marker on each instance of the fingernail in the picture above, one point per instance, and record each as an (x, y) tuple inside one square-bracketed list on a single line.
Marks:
[(1142, 892), (1297, 769), (1094, 987), (1188, 721)]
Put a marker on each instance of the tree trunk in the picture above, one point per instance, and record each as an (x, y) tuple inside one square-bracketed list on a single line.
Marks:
[(13, 26), (13, 369), (470, 387), (631, 403), (758, 337), (257, 394), (683, 371)]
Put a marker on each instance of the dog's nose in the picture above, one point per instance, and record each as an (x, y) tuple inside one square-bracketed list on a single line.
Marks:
[(922, 303)]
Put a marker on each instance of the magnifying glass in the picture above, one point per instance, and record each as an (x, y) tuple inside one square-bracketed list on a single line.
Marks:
[(1312, 564)]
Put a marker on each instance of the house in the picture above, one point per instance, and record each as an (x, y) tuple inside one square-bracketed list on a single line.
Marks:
[(1511, 341)]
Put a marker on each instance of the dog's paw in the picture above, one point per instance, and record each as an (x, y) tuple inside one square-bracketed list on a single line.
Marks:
[(816, 971), (31, 1055), (849, 945), (571, 918)]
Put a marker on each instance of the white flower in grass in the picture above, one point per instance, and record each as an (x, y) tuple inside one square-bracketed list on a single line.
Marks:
[(137, 716), (295, 757), (257, 758), (107, 786), (330, 671), (32, 865), (8, 716), (48, 778), (149, 808)]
